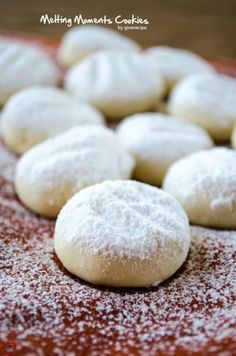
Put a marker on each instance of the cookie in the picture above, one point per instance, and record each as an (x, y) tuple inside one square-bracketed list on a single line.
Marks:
[(157, 141), (51, 172), (117, 83), (175, 64), (81, 41), (122, 234), (37, 113), (23, 65), (205, 185), (208, 100)]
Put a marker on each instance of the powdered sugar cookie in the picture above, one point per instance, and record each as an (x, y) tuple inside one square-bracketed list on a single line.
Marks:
[(205, 185), (23, 65), (122, 233), (175, 64), (51, 172), (81, 41), (158, 140), (116, 83), (208, 100), (37, 113)]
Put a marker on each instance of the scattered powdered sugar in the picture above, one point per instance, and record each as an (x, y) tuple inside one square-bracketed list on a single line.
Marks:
[(123, 219), (47, 311)]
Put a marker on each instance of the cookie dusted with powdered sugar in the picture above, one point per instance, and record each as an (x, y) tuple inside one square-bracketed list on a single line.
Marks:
[(157, 141), (175, 64), (205, 185), (208, 100), (117, 83), (51, 172), (122, 233), (23, 65), (34, 114), (195, 309), (81, 41)]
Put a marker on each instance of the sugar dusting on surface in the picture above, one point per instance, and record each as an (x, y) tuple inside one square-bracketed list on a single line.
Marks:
[(47, 311)]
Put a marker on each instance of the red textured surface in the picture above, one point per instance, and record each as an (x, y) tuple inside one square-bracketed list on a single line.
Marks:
[(47, 311)]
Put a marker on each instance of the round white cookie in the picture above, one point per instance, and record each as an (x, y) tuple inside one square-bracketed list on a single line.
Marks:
[(51, 172), (208, 100), (158, 140), (122, 234), (175, 64), (23, 65), (34, 114), (117, 83), (81, 41), (205, 185)]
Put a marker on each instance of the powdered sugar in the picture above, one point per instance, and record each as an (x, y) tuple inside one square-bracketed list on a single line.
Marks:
[(123, 219), (203, 169), (214, 92), (48, 311), (54, 170), (222, 203), (7, 161), (81, 41), (7, 171), (208, 100), (175, 63), (164, 129), (158, 140), (117, 83), (22, 65), (39, 112), (90, 144), (209, 177)]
